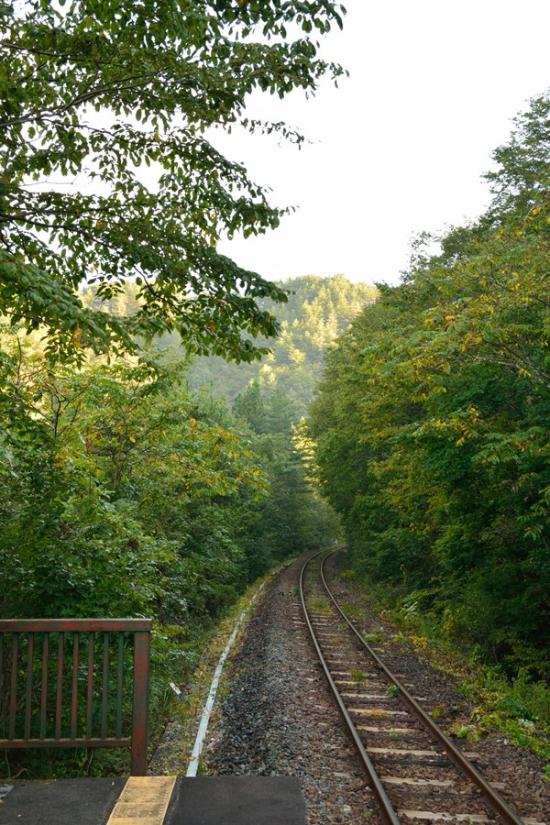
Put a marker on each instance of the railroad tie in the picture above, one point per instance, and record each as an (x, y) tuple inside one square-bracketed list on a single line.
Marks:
[(442, 816), (370, 698)]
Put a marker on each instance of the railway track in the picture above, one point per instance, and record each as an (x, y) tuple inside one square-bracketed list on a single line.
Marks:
[(417, 774)]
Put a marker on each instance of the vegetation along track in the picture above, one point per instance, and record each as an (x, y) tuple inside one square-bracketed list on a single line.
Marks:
[(416, 772)]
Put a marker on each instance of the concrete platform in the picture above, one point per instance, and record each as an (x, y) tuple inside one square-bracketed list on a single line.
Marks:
[(205, 800), (237, 800), (65, 802)]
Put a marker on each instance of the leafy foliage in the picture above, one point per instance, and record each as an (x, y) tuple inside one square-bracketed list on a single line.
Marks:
[(103, 472), (92, 92), (432, 420), (121, 492), (124, 494)]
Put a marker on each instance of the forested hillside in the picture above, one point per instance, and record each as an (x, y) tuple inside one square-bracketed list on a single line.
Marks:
[(432, 422), (317, 310)]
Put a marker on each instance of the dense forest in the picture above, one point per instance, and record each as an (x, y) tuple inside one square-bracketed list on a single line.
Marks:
[(123, 492), (154, 453), (431, 421), (317, 310)]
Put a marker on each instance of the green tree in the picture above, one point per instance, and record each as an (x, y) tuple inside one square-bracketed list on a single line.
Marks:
[(120, 494), (431, 421), (292, 518), (95, 90)]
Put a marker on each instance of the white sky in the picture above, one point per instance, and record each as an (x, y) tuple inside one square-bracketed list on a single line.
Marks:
[(401, 145)]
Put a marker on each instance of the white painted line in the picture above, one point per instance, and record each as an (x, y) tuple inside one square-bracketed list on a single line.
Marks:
[(193, 766)]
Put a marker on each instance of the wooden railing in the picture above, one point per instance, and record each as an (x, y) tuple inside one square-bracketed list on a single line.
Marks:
[(65, 683)]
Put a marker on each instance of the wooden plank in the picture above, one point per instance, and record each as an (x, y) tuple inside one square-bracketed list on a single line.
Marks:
[(74, 690), (44, 686), (28, 688), (443, 816), (59, 686), (143, 801), (138, 760)]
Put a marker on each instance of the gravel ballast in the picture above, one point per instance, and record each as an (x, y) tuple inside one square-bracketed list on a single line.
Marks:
[(278, 716)]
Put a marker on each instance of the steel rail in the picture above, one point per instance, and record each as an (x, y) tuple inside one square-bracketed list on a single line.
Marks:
[(388, 811), (454, 754)]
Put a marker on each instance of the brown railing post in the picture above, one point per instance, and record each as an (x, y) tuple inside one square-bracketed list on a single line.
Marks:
[(141, 701)]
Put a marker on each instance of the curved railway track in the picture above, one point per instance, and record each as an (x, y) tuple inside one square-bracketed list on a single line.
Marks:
[(417, 774)]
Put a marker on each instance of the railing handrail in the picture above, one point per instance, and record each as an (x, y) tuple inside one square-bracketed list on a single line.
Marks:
[(74, 625)]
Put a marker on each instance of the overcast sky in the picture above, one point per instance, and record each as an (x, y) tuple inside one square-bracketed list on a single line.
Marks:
[(401, 145)]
